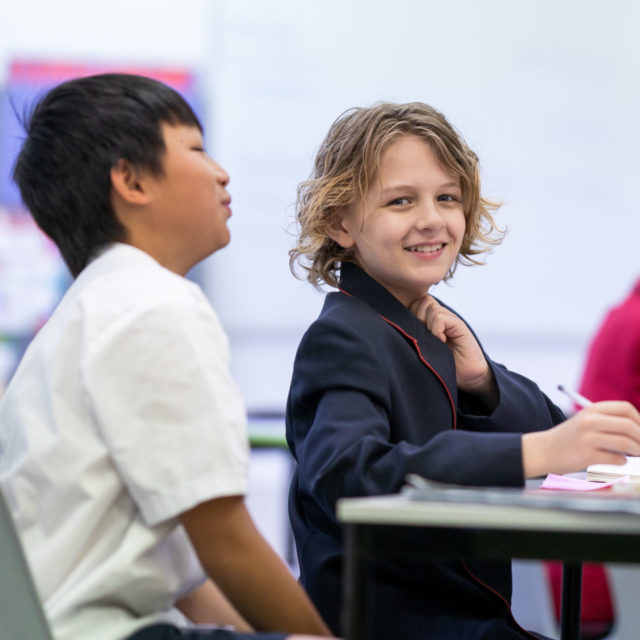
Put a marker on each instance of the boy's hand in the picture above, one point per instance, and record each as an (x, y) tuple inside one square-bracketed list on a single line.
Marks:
[(473, 374), (208, 605), (602, 433)]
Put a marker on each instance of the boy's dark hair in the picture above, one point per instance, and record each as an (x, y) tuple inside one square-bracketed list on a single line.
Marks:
[(75, 134)]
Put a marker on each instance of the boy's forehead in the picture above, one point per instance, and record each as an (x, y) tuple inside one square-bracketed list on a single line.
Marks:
[(169, 126), (408, 157), (178, 133)]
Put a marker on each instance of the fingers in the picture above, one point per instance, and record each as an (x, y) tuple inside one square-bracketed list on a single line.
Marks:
[(597, 437), (616, 408), (438, 327), (419, 307), (433, 315), (612, 416), (612, 426), (608, 457), (613, 443)]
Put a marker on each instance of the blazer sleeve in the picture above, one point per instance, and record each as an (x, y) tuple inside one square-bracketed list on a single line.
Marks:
[(522, 406), (342, 427)]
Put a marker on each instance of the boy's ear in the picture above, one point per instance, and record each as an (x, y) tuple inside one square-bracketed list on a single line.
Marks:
[(339, 232), (126, 181)]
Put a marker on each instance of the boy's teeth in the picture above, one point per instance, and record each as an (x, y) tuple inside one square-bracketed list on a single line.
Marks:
[(426, 248)]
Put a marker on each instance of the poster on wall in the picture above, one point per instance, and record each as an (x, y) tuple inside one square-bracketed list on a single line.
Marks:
[(33, 277)]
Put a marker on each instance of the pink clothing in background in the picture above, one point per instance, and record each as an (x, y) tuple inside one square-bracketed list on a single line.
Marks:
[(612, 370)]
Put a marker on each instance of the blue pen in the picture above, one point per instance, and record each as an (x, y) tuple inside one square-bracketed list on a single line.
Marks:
[(579, 399)]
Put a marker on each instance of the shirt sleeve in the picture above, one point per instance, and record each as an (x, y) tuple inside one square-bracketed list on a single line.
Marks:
[(157, 381)]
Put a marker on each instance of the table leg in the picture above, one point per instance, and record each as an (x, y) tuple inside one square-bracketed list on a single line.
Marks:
[(571, 600), (355, 583)]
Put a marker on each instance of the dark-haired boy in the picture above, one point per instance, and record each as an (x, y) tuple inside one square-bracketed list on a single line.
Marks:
[(123, 449)]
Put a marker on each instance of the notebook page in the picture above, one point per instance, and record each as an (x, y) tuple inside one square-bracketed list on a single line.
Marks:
[(630, 468)]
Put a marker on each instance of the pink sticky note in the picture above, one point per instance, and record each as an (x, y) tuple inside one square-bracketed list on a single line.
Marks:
[(566, 483)]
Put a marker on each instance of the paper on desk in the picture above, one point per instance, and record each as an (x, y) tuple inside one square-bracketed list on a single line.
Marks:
[(622, 498), (567, 483)]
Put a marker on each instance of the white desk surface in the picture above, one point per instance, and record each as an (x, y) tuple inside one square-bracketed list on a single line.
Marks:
[(400, 510)]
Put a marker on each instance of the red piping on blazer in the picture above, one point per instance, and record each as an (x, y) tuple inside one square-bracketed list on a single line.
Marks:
[(495, 593), (416, 346)]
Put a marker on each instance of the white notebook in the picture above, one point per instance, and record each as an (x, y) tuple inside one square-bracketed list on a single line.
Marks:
[(605, 472)]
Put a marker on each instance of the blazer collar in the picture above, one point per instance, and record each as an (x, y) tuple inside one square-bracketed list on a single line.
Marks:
[(355, 282), (432, 352)]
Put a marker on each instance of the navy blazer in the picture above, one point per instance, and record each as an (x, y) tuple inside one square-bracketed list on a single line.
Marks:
[(373, 397)]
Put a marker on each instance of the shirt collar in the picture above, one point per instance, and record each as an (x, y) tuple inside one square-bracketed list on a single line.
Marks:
[(116, 256)]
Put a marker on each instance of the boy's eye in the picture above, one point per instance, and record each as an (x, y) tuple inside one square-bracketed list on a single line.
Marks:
[(448, 197), (398, 201)]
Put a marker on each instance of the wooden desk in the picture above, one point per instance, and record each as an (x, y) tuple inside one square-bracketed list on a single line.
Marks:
[(490, 524)]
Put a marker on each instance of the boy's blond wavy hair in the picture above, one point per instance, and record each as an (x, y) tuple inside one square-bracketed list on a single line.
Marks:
[(345, 166)]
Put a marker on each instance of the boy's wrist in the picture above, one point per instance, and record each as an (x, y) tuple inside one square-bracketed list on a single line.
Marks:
[(534, 460), (484, 388)]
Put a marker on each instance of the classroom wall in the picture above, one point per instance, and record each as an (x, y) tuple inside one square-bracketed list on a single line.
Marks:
[(142, 32), (544, 91), (547, 94)]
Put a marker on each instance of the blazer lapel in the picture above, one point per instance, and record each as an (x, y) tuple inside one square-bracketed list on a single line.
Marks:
[(433, 353)]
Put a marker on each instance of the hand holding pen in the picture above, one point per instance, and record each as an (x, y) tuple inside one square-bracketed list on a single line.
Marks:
[(603, 432)]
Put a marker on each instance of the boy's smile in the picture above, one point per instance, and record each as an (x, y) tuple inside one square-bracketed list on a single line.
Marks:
[(408, 228)]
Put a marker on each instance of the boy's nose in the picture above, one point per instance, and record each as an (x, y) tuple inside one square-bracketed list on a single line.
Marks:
[(429, 216), (222, 175)]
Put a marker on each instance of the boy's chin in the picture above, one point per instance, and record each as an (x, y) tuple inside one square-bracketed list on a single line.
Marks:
[(219, 242), (224, 242)]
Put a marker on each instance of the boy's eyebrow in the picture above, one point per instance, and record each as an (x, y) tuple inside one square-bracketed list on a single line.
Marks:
[(453, 184)]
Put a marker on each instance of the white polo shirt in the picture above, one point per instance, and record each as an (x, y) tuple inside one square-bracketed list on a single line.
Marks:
[(121, 416)]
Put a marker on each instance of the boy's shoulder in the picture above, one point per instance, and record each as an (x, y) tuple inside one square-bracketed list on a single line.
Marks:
[(342, 307), (124, 286), (125, 274), (346, 318)]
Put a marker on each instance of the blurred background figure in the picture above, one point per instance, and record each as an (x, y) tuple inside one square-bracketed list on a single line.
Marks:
[(611, 372), (612, 369)]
